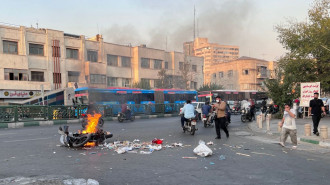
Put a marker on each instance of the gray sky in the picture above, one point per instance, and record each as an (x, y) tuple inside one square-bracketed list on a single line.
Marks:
[(246, 23)]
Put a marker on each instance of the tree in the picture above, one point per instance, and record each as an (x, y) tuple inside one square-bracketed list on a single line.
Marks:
[(308, 44), (210, 87), (164, 80), (185, 74)]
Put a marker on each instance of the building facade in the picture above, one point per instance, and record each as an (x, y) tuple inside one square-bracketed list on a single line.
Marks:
[(245, 73), (213, 54), (32, 59)]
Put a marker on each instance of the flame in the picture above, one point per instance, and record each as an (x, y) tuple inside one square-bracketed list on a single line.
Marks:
[(91, 127)]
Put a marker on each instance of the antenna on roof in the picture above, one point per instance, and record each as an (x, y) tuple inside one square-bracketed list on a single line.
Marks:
[(194, 22)]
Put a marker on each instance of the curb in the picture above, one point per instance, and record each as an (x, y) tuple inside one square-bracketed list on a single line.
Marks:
[(61, 122)]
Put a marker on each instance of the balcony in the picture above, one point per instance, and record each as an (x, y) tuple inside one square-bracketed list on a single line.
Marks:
[(262, 75)]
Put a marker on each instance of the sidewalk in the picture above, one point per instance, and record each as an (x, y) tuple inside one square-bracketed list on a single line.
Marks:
[(300, 123)]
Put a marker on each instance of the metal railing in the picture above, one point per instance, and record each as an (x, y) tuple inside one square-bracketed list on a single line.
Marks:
[(60, 112)]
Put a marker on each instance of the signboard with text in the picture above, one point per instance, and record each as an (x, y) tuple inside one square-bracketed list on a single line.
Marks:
[(18, 94), (307, 92)]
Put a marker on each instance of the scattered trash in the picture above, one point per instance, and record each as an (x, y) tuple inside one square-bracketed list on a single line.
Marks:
[(132, 152), (92, 153), (205, 167), (144, 152), (202, 150), (157, 141), (187, 146), (210, 143), (212, 163), (54, 152), (58, 145), (121, 150), (222, 157), (262, 154), (177, 144), (243, 154), (285, 152), (82, 153), (69, 156), (189, 157), (155, 147)]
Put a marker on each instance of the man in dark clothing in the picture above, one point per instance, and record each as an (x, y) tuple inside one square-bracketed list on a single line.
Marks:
[(92, 109), (206, 109), (316, 109)]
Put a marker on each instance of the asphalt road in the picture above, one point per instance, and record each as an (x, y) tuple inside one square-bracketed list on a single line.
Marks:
[(249, 158)]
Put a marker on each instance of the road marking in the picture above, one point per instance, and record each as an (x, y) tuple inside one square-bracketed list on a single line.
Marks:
[(27, 140), (6, 134)]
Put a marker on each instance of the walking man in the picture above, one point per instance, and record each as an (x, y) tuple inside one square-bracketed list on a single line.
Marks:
[(316, 109), (289, 126), (220, 121)]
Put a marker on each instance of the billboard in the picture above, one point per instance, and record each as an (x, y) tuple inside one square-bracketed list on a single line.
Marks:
[(307, 92)]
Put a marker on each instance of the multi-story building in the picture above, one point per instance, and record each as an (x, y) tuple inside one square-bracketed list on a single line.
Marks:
[(213, 54), (31, 59), (245, 73)]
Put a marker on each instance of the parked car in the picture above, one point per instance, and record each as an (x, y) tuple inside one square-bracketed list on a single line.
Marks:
[(198, 106)]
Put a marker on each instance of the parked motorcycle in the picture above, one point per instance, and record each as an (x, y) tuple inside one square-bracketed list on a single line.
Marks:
[(246, 115), (190, 126), (122, 116)]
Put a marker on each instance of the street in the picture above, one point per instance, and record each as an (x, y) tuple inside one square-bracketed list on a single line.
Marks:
[(250, 158)]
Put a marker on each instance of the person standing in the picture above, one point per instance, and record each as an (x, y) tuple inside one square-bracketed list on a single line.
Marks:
[(316, 109), (288, 125), (220, 121)]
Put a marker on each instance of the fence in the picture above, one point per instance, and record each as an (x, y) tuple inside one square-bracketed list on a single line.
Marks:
[(59, 112)]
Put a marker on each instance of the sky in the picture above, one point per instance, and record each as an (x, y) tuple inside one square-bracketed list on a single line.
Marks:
[(165, 24)]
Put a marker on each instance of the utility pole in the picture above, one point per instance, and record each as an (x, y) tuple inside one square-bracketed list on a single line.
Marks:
[(194, 22)]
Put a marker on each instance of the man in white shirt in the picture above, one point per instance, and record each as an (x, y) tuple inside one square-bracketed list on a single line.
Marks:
[(289, 126)]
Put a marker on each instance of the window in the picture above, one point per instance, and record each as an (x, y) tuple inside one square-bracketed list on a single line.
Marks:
[(166, 65), (246, 86), (181, 65), (92, 56), (195, 85), (16, 74), (126, 82), (245, 72), (112, 60), (73, 76), (214, 75), (72, 53), (57, 78), (112, 82), (221, 74), (97, 79), (230, 73), (145, 82), (230, 86), (37, 76), (36, 49), (157, 64), (125, 62), (145, 62), (10, 47), (194, 68)]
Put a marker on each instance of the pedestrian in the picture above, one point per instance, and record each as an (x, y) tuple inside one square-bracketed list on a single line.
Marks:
[(316, 109), (328, 106), (220, 121), (288, 125)]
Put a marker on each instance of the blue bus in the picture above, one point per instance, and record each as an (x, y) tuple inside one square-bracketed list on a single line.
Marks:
[(135, 98)]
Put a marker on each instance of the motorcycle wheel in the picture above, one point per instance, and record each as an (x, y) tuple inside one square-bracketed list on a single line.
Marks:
[(205, 123), (193, 129), (120, 118), (81, 141), (132, 118), (243, 118)]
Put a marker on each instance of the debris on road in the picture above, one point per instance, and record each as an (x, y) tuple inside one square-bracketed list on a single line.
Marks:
[(222, 157), (262, 154), (203, 150), (210, 143), (157, 141), (247, 155), (212, 163)]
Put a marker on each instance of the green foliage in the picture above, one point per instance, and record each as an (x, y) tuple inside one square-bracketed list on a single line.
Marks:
[(210, 87), (164, 80), (308, 43)]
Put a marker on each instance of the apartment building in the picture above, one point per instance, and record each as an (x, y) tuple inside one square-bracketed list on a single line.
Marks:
[(245, 73), (213, 54), (32, 59)]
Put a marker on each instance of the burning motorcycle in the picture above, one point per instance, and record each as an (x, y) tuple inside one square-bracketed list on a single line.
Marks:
[(92, 135)]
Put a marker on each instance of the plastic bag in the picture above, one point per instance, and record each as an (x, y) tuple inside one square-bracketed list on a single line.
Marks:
[(203, 150)]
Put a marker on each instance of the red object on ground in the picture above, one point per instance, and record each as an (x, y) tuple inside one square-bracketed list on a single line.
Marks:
[(157, 141)]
